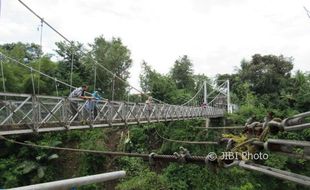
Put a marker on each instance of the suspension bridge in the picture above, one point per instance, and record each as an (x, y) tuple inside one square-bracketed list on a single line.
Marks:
[(35, 113), (24, 113), (28, 113)]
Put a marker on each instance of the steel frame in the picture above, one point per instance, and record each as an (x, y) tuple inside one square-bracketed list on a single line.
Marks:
[(25, 113)]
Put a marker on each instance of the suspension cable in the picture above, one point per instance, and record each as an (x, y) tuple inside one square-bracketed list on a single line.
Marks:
[(41, 47), (2, 74), (218, 89), (32, 81), (44, 21), (152, 156), (193, 96), (56, 86), (113, 87), (72, 149), (71, 68), (95, 77)]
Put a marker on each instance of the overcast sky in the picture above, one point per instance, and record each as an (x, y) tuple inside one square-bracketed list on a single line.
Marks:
[(215, 34)]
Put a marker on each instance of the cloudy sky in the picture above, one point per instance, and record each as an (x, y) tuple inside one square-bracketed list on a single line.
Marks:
[(215, 34)]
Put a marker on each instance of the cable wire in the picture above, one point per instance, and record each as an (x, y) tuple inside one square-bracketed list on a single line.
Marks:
[(153, 156), (193, 96), (71, 69), (2, 74), (41, 35), (32, 81), (44, 21)]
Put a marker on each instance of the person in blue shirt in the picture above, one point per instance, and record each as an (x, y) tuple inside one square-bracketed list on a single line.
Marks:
[(91, 105)]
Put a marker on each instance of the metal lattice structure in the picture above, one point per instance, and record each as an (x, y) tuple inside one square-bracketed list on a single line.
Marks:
[(25, 113)]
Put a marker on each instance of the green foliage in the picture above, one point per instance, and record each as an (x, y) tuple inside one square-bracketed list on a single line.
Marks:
[(114, 56), (266, 74), (180, 96), (24, 165), (139, 139), (22, 51), (145, 180), (183, 177), (277, 161), (247, 186), (72, 54), (182, 74), (92, 140), (176, 88), (251, 107), (159, 86), (9, 176), (132, 166), (300, 91)]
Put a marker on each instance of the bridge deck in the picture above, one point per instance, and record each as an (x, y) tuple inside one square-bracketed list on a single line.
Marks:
[(25, 113)]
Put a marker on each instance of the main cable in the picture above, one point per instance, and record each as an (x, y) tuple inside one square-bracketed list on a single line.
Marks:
[(33, 12)]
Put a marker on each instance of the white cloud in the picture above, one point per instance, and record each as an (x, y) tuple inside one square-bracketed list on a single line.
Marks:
[(215, 34)]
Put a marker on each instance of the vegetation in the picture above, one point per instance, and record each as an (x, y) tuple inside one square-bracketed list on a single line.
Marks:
[(264, 83)]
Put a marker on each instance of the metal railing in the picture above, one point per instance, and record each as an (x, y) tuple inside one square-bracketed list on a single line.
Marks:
[(25, 113), (74, 182)]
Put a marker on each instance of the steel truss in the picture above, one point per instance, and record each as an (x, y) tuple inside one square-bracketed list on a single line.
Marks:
[(25, 113)]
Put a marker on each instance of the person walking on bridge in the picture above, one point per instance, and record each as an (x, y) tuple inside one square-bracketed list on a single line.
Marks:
[(77, 93), (149, 103), (91, 105)]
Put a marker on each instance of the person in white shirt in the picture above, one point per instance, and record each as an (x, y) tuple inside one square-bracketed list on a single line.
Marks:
[(77, 93), (148, 103)]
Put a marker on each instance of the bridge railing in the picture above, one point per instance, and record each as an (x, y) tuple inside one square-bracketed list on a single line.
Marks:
[(35, 112)]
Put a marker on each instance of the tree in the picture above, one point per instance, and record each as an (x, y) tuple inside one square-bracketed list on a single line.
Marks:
[(199, 80), (146, 76), (300, 91), (22, 51), (72, 52), (114, 56), (182, 74), (159, 86), (267, 76), (47, 85), (15, 74)]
